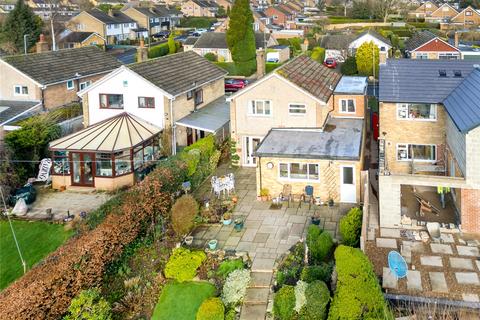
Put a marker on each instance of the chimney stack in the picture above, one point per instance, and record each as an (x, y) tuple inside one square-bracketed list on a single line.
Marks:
[(456, 37), (260, 63), (142, 52), (304, 46), (110, 12), (42, 45)]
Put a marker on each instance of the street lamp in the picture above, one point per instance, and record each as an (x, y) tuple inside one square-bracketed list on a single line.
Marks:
[(25, 43)]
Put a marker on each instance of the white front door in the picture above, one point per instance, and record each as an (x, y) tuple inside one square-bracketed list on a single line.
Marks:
[(249, 146), (348, 190)]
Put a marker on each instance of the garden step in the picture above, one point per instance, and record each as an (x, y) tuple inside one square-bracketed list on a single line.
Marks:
[(253, 311), (257, 296), (261, 279)]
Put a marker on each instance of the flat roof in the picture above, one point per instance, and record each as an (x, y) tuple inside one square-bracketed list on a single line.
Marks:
[(341, 139), (352, 85), (210, 118), (17, 110)]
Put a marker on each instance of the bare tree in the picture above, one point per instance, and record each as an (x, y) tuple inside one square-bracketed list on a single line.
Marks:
[(384, 7)]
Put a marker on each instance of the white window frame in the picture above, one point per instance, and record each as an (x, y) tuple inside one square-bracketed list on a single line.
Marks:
[(70, 87), (289, 178), (21, 90), (346, 104), (422, 56), (406, 147), (449, 55), (296, 106), (85, 84), (408, 118), (252, 111)]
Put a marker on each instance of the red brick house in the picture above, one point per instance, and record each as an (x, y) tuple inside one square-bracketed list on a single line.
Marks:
[(279, 16)]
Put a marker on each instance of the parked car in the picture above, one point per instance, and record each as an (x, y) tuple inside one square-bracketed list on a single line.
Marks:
[(273, 60), (233, 85), (200, 31), (330, 63), (161, 35)]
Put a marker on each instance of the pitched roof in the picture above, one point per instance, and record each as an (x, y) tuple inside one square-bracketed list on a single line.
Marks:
[(311, 76), (374, 34), (206, 3), (339, 42), (62, 65), (16, 110), (218, 40), (118, 17), (411, 80), (282, 10), (178, 73), (418, 39), (190, 41), (463, 103), (76, 36), (156, 11)]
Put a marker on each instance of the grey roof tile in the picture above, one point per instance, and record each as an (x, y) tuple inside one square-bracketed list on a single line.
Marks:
[(12, 110), (418, 39), (118, 17), (218, 40), (76, 36), (338, 42), (374, 34)]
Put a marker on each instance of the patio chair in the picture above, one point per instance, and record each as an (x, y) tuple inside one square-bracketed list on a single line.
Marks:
[(286, 194), (308, 196)]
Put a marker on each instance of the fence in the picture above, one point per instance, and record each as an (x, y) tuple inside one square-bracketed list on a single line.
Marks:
[(366, 208), (71, 125)]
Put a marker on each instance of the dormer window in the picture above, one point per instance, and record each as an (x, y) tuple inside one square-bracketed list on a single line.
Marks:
[(442, 73), (457, 73)]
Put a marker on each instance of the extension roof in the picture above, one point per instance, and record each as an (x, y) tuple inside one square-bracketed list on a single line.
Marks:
[(17, 110), (218, 40), (62, 65), (419, 39), (77, 36), (338, 42)]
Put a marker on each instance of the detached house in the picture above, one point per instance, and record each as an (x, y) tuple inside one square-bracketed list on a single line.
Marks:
[(429, 146), (383, 44), (424, 11), (426, 45), (467, 18), (443, 14), (280, 17), (125, 113), (200, 8), (302, 129)]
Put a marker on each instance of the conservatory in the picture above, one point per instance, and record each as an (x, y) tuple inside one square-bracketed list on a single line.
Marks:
[(107, 155)]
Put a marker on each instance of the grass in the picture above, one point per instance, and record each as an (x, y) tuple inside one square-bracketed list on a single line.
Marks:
[(180, 301), (36, 240)]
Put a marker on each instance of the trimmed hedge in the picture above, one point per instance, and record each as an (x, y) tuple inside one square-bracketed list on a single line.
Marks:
[(351, 227), (184, 211), (211, 309), (183, 264), (320, 244), (284, 303), (358, 294), (318, 297)]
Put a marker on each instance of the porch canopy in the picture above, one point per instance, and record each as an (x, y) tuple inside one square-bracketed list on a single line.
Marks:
[(211, 118)]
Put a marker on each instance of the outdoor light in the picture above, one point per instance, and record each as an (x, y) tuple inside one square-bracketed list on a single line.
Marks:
[(270, 165)]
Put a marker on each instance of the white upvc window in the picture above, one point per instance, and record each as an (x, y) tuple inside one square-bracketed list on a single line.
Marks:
[(347, 106), (448, 56), (20, 90), (417, 111), (70, 85), (417, 152), (297, 109), (299, 171), (422, 55), (85, 84), (260, 107)]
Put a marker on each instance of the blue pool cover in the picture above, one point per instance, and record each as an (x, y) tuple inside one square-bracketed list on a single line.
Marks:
[(397, 264)]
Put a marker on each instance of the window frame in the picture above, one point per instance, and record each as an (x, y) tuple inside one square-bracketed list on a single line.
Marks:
[(21, 90), (407, 147), (198, 93), (189, 95), (307, 164), (252, 107), (347, 112), (303, 107), (108, 104), (146, 105), (408, 118), (85, 84), (72, 86)]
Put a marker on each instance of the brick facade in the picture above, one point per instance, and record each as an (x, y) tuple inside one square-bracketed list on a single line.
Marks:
[(470, 210)]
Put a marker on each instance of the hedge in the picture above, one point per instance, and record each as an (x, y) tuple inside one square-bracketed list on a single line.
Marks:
[(318, 297), (320, 244), (48, 288), (358, 294), (211, 309), (284, 303), (351, 227)]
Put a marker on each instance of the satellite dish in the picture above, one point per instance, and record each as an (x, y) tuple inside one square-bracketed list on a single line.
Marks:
[(397, 264)]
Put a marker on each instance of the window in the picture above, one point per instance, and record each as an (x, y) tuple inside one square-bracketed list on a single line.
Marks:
[(418, 152), (417, 111), (448, 56), (347, 174), (61, 164), (260, 107), (111, 101), (122, 163), (70, 85), (103, 165), (20, 90), (299, 171), (422, 56), (146, 102), (297, 109), (85, 84), (347, 106), (198, 97), (468, 13), (189, 95)]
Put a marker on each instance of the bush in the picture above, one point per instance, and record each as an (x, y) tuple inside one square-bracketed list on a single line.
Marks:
[(183, 264), (235, 287), (300, 298), (321, 272), (210, 56), (197, 22), (358, 294), (349, 67), (89, 305), (291, 266), (228, 266), (284, 303), (319, 243), (318, 54), (351, 227), (183, 214), (158, 50), (270, 66), (318, 297), (211, 309)]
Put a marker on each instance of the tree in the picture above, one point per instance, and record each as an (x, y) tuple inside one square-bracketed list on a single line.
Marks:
[(172, 47), (473, 3), (241, 38), (367, 58), (21, 21), (221, 13), (361, 10), (383, 8), (89, 305), (349, 67)]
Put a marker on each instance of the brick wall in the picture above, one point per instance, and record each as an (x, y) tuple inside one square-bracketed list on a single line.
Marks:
[(359, 106), (470, 212)]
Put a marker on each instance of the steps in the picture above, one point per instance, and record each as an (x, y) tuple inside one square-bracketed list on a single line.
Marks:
[(257, 297)]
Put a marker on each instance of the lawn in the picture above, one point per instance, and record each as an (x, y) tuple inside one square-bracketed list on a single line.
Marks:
[(180, 301), (36, 240)]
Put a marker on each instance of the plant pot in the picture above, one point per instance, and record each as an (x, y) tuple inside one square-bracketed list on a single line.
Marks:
[(188, 240), (315, 221), (234, 199), (227, 221), (212, 244), (331, 203), (238, 225), (264, 198)]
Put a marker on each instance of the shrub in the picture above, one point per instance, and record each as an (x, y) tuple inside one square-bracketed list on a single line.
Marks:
[(270, 66), (351, 227), (183, 264), (284, 303), (158, 50), (211, 309), (235, 287), (89, 305), (318, 54), (318, 297), (349, 67), (210, 56), (183, 214), (291, 266), (300, 298), (367, 57), (321, 272), (231, 314), (228, 266), (358, 294), (320, 244)]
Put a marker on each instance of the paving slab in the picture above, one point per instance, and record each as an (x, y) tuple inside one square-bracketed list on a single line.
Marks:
[(467, 278), (262, 264), (438, 282), (434, 261), (386, 243), (470, 297), (249, 234), (253, 312), (447, 238), (441, 248), (261, 279), (461, 263), (468, 251), (389, 279), (257, 295), (389, 233), (297, 219), (260, 237), (414, 280), (232, 241)]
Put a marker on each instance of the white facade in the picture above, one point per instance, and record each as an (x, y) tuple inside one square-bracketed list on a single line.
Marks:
[(121, 30), (131, 86), (382, 46)]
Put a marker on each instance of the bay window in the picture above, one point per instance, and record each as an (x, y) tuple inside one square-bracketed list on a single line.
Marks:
[(260, 107), (299, 171), (417, 152), (416, 111)]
